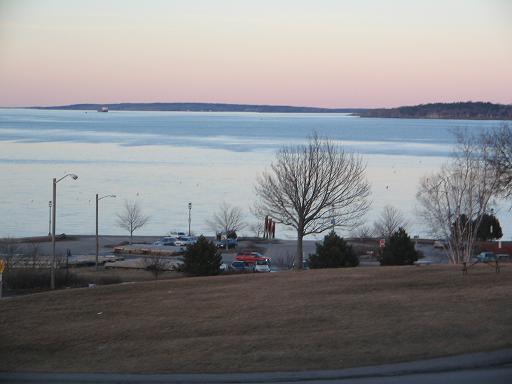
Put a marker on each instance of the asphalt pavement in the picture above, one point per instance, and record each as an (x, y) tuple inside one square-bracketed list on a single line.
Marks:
[(281, 251), (483, 368)]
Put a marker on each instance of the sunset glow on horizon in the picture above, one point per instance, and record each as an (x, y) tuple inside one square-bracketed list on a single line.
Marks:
[(323, 53)]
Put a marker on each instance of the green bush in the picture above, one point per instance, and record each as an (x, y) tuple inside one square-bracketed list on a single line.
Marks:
[(202, 258), (399, 250), (333, 253), (489, 229)]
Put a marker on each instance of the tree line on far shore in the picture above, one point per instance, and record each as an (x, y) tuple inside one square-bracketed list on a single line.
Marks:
[(461, 110)]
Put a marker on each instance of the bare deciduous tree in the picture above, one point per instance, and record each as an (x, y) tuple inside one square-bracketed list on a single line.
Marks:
[(314, 187), (9, 252), (389, 221), (227, 220), (156, 264), (454, 200), (31, 257), (362, 232), (499, 143), (131, 218), (258, 226), (285, 261)]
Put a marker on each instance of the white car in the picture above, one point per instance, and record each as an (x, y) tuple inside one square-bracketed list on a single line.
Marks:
[(183, 241), (113, 258), (262, 266), (440, 244), (167, 240)]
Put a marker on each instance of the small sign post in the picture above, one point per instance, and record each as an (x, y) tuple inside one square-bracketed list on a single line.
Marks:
[(382, 243), (2, 267)]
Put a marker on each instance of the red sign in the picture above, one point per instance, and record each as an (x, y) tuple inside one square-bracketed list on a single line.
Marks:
[(382, 243)]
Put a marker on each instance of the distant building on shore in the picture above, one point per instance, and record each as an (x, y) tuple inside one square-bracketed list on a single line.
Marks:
[(103, 109)]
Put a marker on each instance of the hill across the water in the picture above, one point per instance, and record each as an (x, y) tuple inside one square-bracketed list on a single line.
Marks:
[(462, 111), (459, 110), (203, 107)]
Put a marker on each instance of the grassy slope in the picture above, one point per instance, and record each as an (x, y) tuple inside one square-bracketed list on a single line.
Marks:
[(322, 319)]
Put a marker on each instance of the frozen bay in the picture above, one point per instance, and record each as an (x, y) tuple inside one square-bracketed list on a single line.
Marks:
[(165, 160)]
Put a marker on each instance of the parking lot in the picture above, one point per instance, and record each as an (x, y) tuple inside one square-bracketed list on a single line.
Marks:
[(281, 252)]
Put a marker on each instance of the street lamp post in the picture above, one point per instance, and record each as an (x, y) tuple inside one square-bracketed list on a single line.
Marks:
[(492, 216), (333, 220), (54, 212), (97, 237), (49, 218), (189, 217)]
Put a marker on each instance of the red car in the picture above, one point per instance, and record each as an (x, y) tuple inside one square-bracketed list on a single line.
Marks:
[(251, 257)]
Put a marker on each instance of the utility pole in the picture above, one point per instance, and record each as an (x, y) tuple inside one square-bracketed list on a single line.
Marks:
[(492, 217), (2, 266), (97, 238), (50, 218), (333, 220), (54, 211), (189, 216), (54, 214)]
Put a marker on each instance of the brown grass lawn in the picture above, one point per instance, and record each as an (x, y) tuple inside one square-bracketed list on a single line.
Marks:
[(323, 319), (120, 274)]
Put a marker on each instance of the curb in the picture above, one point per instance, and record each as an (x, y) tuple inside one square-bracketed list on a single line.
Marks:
[(435, 365)]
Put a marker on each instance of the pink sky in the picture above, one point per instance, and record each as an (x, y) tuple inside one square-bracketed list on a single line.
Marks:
[(364, 53)]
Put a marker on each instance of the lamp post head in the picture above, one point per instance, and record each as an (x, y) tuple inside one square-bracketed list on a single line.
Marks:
[(189, 205), (72, 175), (103, 197)]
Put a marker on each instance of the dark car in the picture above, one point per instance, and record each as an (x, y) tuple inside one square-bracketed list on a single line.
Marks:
[(232, 243), (305, 264)]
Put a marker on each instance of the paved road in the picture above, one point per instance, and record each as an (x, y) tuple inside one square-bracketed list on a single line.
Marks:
[(474, 376), (501, 375), (482, 368), (84, 245), (282, 250)]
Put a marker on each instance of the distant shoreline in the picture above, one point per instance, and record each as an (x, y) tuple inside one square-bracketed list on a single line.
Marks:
[(199, 107), (434, 118), (433, 111), (449, 111)]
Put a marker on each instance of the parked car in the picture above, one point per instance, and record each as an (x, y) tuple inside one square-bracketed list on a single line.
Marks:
[(177, 234), (305, 264), (241, 266), (440, 244), (166, 240), (113, 258), (183, 241), (251, 257), (485, 257), (232, 243), (261, 266)]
